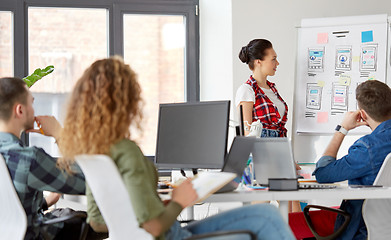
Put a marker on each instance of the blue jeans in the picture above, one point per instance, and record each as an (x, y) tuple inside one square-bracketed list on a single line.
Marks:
[(262, 219), (269, 133)]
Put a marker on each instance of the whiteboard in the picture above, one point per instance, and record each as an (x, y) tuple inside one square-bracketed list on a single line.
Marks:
[(334, 56)]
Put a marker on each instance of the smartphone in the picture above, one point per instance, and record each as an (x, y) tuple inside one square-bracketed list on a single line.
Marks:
[(365, 186)]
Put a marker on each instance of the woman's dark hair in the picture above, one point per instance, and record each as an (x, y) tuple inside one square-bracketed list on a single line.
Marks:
[(255, 49)]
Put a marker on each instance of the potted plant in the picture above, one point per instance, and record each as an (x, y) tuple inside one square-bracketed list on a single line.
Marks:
[(37, 75)]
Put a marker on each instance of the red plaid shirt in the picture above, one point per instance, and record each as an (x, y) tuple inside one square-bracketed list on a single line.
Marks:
[(265, 110)]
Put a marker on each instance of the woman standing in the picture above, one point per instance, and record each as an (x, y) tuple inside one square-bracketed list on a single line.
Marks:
[(259, 97)]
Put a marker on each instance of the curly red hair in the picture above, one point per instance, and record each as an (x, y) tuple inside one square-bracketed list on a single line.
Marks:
[(104, 103)]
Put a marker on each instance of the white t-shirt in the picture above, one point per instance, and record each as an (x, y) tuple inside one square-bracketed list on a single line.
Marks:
[(245, 93)]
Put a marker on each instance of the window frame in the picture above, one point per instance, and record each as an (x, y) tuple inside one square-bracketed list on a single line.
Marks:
[(187, 8), (192, 35)]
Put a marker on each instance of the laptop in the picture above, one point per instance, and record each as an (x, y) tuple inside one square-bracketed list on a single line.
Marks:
[(273, 158), (236, 161)]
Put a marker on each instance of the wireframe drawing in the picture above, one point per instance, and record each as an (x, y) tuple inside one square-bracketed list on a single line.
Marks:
[(343, 58), (315, 59), (368, 59), (339, 97), (314, 96)]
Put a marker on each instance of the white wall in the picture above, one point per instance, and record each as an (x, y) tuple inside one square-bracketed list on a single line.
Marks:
[(227, 25), (216, 81)]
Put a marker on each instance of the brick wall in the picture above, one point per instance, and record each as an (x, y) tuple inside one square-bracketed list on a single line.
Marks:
[(6, 64)]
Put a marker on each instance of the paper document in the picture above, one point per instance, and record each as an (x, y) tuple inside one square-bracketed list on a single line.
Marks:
[(206, 183)]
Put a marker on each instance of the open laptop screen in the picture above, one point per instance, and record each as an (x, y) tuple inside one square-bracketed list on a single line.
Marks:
[(273, 158)]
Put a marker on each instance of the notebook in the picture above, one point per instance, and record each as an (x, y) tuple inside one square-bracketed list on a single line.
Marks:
[(207, 183), (273, 158)]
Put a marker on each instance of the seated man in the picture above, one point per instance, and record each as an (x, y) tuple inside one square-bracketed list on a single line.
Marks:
[(366, 155), (32, 170)]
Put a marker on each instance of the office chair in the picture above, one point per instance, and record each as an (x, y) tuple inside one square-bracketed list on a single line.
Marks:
[(104, 179), (376, 212), (319, 234), (323, 220), (13, 220)]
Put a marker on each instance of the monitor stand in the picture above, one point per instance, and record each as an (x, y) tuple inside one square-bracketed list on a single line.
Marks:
[(194, 171)]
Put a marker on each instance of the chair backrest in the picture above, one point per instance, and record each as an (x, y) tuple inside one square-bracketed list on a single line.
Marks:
[(377, 212), (13, 220), (111, 196), (384, 175)]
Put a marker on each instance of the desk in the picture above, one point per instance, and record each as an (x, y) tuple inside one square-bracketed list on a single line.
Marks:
[(303, 194)]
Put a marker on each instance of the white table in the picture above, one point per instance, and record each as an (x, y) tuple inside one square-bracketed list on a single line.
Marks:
[(307, 194)]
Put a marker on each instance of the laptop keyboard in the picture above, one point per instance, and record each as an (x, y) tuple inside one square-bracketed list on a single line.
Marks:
[(316, 186)]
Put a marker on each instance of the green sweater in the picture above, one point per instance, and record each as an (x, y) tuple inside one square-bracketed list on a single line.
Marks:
[(140, 178)]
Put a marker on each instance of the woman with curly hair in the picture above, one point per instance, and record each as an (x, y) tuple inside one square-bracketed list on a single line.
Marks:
[(104, 104)]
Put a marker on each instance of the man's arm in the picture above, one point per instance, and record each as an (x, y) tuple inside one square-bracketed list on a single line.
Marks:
[(48, 126), (350, 121), (52, 198), (334, 145), (45, 176), (49, 200), (328, 169)]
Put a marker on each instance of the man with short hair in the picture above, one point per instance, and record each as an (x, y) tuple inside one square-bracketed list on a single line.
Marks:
[(32, 170), (365, 158)]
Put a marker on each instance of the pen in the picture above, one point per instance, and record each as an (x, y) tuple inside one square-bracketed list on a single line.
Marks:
[(39, 126)]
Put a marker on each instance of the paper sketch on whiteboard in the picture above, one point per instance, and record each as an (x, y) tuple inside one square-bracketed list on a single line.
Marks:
[(343, 58), (315, 59), (314, 96), (339, 97), (368, 58)]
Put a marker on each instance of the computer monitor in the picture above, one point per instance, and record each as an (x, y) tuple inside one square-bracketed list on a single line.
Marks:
[(192, 135)]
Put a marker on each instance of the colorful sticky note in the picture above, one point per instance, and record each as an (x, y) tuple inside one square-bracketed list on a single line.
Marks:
[(344, 79), (323, 38), (322, 117), (338, 99), (356, 58), (367, 36), (320, 83)]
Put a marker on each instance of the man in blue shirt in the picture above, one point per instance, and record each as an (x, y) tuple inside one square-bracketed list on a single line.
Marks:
[(32, 170), (365, 156)]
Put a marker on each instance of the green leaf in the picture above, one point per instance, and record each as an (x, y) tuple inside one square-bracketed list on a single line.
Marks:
[(37, 75)]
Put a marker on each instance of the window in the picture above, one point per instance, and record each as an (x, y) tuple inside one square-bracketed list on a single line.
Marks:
[(154, 46), (6, 44), (159, 39), (68, 38)]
